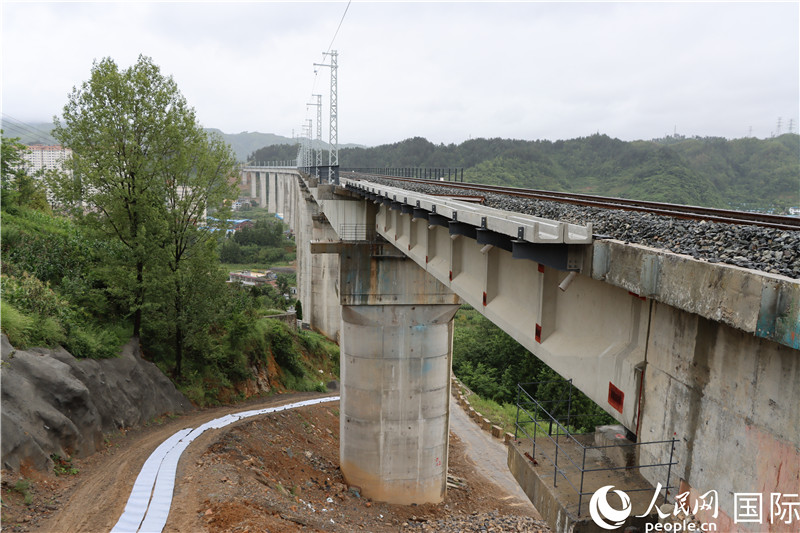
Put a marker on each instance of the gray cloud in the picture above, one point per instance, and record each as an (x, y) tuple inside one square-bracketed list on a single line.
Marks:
[(446, 71)]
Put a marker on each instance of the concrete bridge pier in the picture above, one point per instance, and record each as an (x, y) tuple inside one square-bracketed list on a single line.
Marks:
[(272, 204), (262, 177), (396, 353)]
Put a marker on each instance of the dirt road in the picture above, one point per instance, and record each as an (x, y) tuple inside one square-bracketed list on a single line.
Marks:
[(275, 472), (95, 499), (488, 455)]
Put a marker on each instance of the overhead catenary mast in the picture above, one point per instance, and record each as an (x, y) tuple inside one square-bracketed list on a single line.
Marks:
[(318, 149), (333, 153), (309, 151), (304, 149)]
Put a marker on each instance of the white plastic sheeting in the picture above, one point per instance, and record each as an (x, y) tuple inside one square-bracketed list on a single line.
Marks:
[(151, 497)]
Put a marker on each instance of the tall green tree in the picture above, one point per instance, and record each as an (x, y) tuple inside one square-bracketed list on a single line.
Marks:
[(198, 178), (10, 169), (124, 126)]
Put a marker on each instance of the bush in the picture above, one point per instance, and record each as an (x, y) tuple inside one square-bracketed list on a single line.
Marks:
[(283, 348), (16, 325), (92, 342), (25, 330), (31, 295)]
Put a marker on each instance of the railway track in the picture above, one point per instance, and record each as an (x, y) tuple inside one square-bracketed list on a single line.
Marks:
[(727, 216)]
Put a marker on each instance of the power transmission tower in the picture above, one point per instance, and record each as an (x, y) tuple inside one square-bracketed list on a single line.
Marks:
[(791, 125), (778, 128), (309, 151), (304, 150), (318, 150), (333, 154), (302, 156)]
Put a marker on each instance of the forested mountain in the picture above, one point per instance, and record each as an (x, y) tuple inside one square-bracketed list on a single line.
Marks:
[(745, 173), (741, 173), (288, 151), (276, 152), (243, 144), (246, 142)]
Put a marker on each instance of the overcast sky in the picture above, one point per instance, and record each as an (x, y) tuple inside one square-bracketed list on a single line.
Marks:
[(444, 71)]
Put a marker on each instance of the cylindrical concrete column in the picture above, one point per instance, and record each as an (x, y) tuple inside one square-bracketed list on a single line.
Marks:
[(395, 368), (273, 192), (262, 200), (252, 177)]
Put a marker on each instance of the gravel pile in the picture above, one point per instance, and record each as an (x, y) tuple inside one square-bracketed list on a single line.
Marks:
[(753, 247), (483, 522)]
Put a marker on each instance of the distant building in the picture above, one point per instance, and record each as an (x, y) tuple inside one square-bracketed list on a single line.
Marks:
[(239, 224), (43, 157), (242, 203), (182, 192), (39, 158), (253, 278), (233, 225)]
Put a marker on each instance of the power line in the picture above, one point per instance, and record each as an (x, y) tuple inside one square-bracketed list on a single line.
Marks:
[(331, 55), (326, 52), (22, 128), (338, 28)]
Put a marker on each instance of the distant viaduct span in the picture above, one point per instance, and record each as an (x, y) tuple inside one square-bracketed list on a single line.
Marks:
[(668, 345)]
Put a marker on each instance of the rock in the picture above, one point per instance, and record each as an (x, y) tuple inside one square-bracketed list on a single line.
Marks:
[(53, 403)]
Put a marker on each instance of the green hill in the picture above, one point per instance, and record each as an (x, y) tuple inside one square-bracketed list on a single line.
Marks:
[(749, 173), (244, 144)]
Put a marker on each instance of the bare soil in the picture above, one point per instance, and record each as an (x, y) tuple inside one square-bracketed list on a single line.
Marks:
[(276, 472)]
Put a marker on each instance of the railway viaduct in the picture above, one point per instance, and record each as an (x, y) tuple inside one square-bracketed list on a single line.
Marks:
[(670, 346)]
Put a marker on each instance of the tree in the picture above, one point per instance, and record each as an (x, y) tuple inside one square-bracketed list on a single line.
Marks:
[(230, 252), (197, 176), (18, 187), (125, 127), (283, 284)]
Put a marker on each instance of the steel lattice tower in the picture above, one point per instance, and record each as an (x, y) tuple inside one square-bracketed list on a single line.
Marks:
[(318, 149), (333, 157), (309, 151)]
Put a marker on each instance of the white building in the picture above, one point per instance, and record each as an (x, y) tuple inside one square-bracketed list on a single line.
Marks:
[(183, 192), (39, 158), (43, 157)]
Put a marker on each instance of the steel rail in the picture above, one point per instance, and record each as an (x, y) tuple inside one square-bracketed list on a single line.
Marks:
[(781, 222)]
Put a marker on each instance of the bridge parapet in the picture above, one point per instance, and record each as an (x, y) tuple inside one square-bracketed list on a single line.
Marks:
[(515, 225), (763, 304)]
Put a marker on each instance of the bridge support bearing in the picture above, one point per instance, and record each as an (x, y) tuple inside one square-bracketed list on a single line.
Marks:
[(395, 400)]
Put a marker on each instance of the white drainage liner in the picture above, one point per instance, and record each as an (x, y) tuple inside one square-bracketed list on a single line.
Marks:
[(151, 497)]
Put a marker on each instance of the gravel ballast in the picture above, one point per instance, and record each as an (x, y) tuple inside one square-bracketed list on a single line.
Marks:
[(747, 246)]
